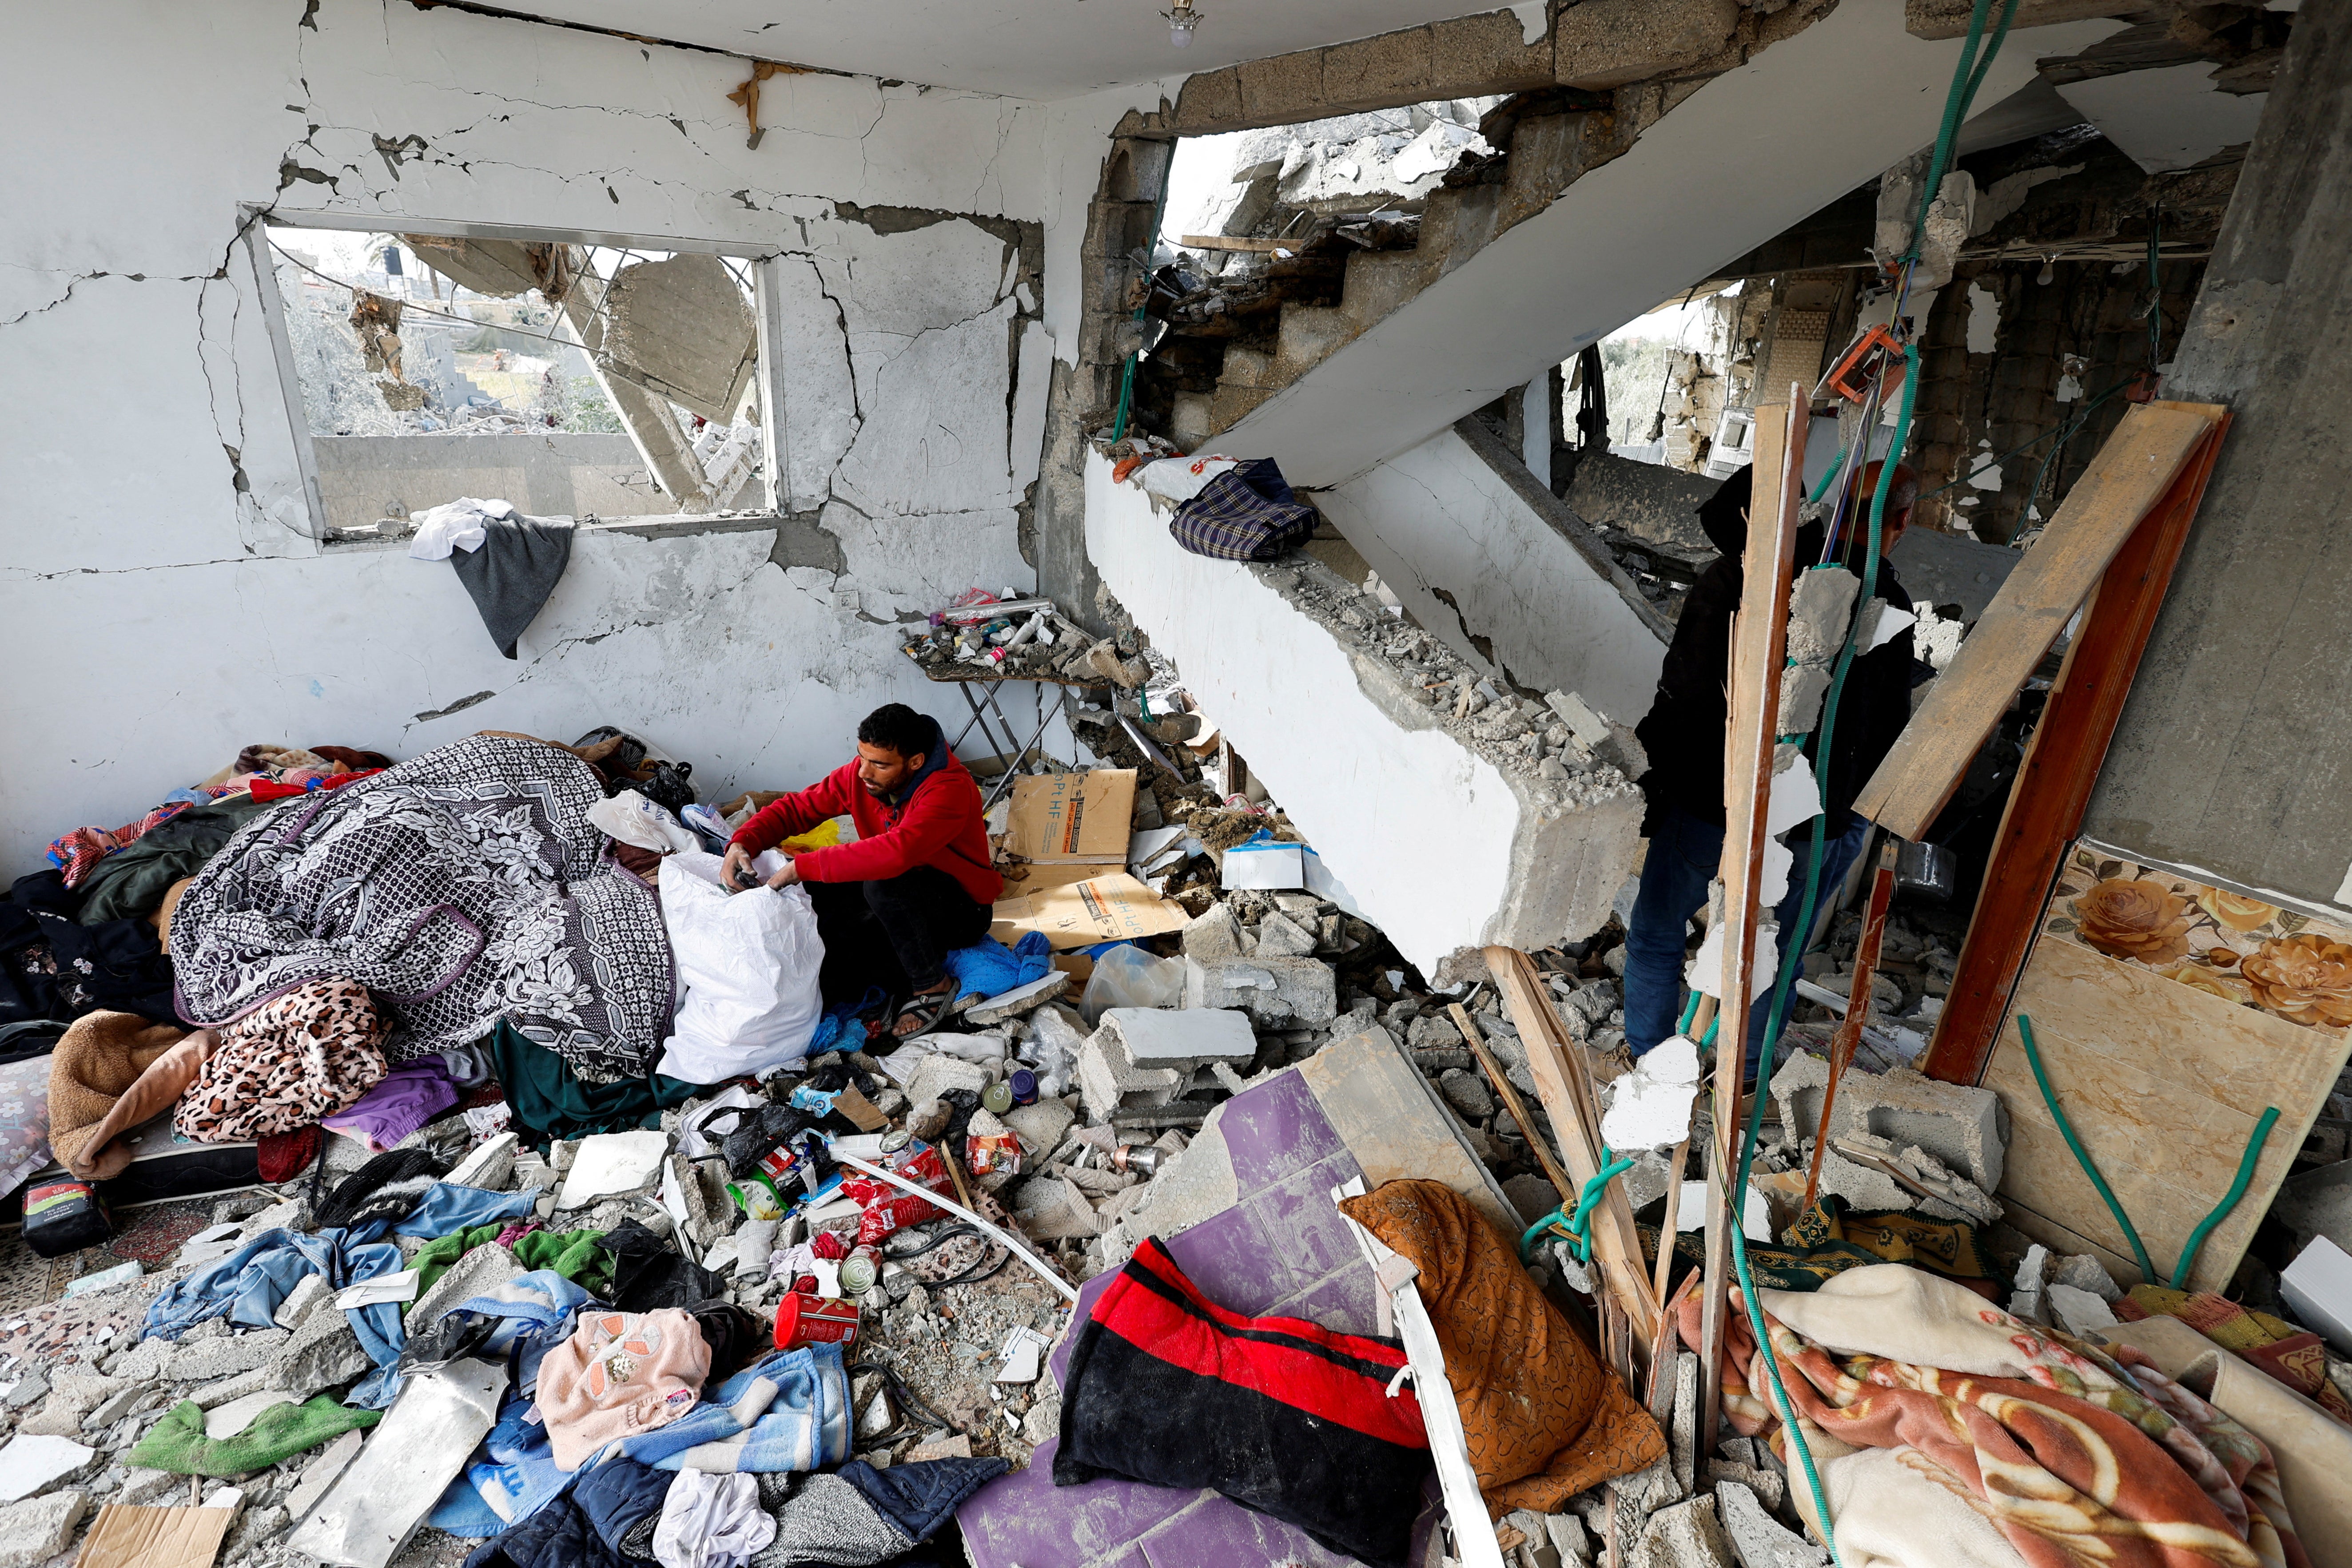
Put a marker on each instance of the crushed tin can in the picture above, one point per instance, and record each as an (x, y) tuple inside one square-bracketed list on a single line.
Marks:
[(803, 1320)]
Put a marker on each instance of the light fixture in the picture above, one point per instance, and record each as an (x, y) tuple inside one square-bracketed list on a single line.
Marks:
[(1182, 20), (2049, 273)]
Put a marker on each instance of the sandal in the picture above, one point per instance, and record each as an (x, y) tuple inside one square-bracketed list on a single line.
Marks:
[(929, 1011)]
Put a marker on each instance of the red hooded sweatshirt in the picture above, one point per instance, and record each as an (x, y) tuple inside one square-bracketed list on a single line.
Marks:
[(934, 819)]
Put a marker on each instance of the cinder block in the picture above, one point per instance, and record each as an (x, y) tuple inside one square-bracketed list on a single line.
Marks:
[(1965, 1128)]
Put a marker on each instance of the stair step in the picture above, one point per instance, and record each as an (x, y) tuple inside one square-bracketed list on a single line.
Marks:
[(1309, 335), (1246, 368), (1229, 404)]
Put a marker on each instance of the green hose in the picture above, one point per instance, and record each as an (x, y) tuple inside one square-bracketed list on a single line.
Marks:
[(2083, 1155), (2230, 1201)]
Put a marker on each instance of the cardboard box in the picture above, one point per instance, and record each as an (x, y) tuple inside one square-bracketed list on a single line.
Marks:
[(127, 1537), (1065, 818), (1107, 909)]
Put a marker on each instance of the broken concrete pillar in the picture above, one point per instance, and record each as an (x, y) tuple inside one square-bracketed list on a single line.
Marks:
[(1298, 992), (681, 329), (1965, 1128), (1383, 782)]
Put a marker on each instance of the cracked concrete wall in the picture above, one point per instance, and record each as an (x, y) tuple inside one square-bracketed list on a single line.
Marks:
[(1476, 564), (162, 600)]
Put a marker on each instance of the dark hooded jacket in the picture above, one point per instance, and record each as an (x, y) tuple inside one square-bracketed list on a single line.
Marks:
[(1684, 733)]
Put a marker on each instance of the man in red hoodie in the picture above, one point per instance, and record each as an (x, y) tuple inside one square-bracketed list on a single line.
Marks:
[(920, 869)]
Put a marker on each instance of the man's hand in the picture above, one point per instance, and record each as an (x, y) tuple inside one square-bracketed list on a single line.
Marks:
[(786, 877), (735, 871)]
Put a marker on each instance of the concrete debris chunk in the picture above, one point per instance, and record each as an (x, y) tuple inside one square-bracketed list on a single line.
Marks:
[(321, 1473), (1467, 1093), (1652, 1104), (1184, 1040), (1756, 1538), (1687, 1535), (30, 1465), (1299, 992), (1041, 1127), (1278, 936), (2079, 1313), (33, 1532), (939, 1072), (1964, 1128), (1020, 999), (1214, 933), (1769, 1488), (491, 1167), (1683, 1424), (2083, 1272), (483, 1268), (308, 1293), (1110, 1084)]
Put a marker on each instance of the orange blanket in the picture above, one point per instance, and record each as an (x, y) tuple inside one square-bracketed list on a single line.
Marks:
[(1544, 1418), (2073, 1458)]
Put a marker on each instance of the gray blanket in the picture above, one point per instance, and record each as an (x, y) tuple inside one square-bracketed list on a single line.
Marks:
[(519, 563), (463, 888)]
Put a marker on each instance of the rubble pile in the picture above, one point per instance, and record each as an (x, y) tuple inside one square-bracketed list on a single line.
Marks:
[(1557, 744)]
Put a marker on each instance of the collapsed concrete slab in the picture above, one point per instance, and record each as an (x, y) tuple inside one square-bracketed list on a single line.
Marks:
[(1185, 1041), (1301, 992), (1380, 745)]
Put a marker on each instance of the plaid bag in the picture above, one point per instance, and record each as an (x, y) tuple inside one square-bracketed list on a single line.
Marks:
[(1247, 513)]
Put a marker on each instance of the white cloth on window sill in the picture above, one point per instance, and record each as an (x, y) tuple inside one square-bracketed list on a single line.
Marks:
[(455, 526)]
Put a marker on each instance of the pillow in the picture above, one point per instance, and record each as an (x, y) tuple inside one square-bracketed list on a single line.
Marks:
[(1280, 1415), (1544, 1420)]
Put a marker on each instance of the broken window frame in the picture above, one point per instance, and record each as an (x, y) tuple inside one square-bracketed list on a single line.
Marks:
[(755, 264)]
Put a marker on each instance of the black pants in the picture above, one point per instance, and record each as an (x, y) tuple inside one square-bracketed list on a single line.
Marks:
[(894, 934)]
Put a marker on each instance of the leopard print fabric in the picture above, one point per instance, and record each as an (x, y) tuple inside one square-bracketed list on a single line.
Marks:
[(289, 1061)]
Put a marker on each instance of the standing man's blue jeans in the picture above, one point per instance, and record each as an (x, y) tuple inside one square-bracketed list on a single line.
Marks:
[(1684, 854)]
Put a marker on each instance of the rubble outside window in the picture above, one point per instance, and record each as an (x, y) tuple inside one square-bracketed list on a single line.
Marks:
[(569, 380)]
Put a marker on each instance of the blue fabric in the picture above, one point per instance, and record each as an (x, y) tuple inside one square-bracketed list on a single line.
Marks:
[(461, 1512), (538, 1311), (836, 1019), (1099, 948), (990, 968), (917, 1498), (582, 1528), (515, 1474), (1684, 854), (250, 1284), (788, 1412), (445, 1209)]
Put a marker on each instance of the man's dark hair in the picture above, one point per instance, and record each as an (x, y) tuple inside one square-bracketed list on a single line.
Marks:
[(897, 728)]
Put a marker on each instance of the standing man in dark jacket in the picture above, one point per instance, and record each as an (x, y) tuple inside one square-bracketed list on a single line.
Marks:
[(919, 880), (1684, 735)]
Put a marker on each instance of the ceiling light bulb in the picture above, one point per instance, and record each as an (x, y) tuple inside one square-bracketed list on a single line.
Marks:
[(1182, 20), (2049, 271)]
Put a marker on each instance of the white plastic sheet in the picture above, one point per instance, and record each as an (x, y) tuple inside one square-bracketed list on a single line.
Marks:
[(749, 963)]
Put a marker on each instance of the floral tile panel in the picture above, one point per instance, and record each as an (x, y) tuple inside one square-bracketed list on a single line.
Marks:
[(2260, 955)]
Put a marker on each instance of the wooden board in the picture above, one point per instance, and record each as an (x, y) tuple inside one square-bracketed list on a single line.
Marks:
[(1562, 1086), (1760, 643), (2062, 762), (2163, 1062), (2128, 478)]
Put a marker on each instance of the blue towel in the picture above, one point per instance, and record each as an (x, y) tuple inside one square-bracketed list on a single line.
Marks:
[(788, 1412)]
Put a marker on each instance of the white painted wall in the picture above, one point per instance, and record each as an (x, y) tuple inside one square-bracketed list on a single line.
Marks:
[(154, 617), (1384, 805), (1439, 517), (1748, 153)]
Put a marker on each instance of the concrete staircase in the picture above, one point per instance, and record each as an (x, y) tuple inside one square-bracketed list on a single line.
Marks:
[(1548, 152), (1599, 216)]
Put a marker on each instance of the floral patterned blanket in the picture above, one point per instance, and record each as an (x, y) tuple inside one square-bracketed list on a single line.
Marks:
[(463, 888), (2075, 1457)]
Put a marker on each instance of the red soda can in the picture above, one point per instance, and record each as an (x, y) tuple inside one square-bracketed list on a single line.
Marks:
[(808, 1320)]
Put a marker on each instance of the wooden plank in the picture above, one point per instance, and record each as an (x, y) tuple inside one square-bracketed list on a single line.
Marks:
[(2062, 762), (1759, 642), (2163, 1067), (2125, 482), (1512, 1104), (1857, 1009), (1566, 1092)]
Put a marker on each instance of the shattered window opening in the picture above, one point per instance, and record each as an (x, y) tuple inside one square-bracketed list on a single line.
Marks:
[(571, 380)]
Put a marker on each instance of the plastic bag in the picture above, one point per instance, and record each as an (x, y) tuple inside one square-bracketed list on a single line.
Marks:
[(883, 1208), (634, 820), (1131, 977), (749, 963)]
